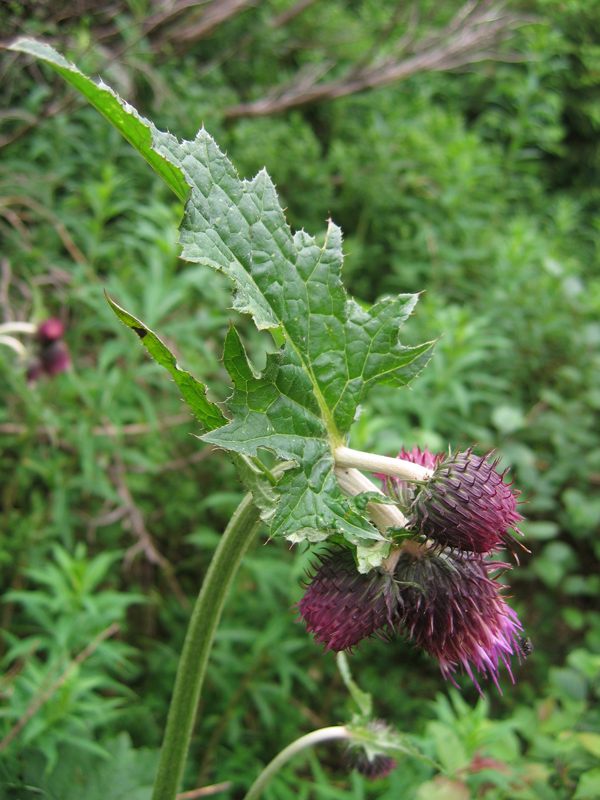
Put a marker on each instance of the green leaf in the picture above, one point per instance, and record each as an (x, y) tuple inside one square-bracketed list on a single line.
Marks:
[(277, 410), (332, 351), (193, 392), (138, 131), (587, 788), (123, 774)]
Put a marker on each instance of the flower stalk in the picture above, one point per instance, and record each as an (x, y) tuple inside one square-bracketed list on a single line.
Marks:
[(309, 740), (345, 457), (198, 644), (18, 327)]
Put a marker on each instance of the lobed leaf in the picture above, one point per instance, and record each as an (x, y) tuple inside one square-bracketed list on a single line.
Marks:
[(139, 132), (332, 351), (193, 392)]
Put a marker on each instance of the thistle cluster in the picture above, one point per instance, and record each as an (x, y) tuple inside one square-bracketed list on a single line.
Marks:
[(436, 588)]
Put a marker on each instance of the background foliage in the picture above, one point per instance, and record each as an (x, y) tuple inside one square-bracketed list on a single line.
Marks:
[(479, 186)]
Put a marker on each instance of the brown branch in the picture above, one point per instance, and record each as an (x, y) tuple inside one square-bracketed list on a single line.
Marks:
[(188, 30), (5, 278), (59, 226), (169, 12), (37, 702), (134, 429), (472, 35), (205, 791), (144, 542), (176, 463), (290, 14), (49, 110)]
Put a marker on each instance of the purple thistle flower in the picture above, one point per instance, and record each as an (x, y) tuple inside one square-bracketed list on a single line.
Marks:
[(341, 606), (467, 506), (452, 609), (374, 769)]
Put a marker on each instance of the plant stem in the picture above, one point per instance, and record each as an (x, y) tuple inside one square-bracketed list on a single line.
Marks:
[(363, 700), (352, 483), (17, 327), (310, 739), (397, 467), (15, 345), (197, 647)]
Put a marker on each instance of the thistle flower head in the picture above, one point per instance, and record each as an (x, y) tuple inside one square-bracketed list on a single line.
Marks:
[(375, 768), (452, 609), (467, 505), (366, 758), (341, 606)]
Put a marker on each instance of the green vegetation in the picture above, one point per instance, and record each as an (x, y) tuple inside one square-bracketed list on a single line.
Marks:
[(478, 186)]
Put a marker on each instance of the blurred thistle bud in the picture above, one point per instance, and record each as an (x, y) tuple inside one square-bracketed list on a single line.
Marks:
[(452, 609), (49, 330), (52, 355), (341, 606), (466, 505), (366, 757), (402, 491)]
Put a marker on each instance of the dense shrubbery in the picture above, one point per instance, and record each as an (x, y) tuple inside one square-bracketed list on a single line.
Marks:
[(479, 187)]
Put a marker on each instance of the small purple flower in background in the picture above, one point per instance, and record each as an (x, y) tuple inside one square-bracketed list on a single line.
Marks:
[(341, 606), (53, 355), (452, 609), (50, 330), (467, 506)]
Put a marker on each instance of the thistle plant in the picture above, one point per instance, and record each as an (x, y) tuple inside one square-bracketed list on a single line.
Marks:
[(410, 560)]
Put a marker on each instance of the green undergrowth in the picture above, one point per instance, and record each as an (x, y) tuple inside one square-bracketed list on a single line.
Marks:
[(478, 187)]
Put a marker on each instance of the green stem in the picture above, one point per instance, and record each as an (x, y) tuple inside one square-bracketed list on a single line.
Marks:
[(310, 739), (197, 647), (362, 699)]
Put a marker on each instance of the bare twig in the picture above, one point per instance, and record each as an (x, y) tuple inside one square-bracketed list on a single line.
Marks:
[(176, 463), (135, 429), (5, 276), (473, 35), (59, 227), (168, 12), (37, 702), (215, 14), (49, 110), (205, 791), (144, 542), (290, 14)]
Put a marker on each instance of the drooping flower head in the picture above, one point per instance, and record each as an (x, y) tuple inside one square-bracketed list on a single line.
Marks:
[(341, 606), (452, 609), (449, 606), (367, 758), (467, 505)]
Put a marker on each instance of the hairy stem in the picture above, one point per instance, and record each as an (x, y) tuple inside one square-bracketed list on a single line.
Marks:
[(352, 483), (310, 739), (396, 467), (197, 647)]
